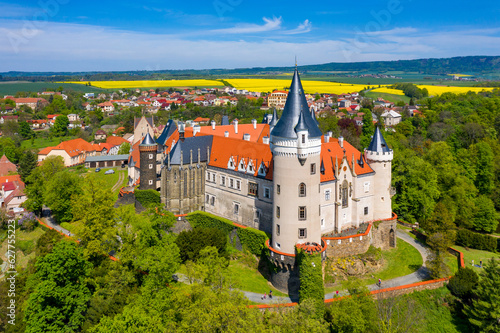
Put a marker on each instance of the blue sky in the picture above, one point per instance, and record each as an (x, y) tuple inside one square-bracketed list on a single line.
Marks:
[(69, 35)]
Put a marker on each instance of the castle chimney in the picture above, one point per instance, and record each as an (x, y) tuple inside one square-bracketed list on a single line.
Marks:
[(213, 124), (196, 129), (246, 137), (235, 122), (226, 134), (265, 140), (327, 137), (341, 141), (254, 123)]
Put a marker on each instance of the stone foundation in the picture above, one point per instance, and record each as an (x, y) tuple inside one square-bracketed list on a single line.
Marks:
[(384, 234), (340, 248)]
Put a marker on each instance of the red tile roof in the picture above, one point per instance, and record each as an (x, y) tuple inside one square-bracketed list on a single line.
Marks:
[(73, 147), (115, 140), (6, 166)]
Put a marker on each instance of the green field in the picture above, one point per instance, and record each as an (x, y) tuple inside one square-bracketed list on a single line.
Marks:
[(389, 97), (477, 256), (12, 87), (111, 180), (40, 143)]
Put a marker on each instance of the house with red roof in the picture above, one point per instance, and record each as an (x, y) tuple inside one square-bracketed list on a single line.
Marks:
[(6, 166), (73, 152), (12, 194), (106, 106)]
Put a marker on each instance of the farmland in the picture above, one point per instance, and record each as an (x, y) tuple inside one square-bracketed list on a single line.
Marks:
[(267, 85), (386, 90), (12, 87), (152, 84), (438, 90)]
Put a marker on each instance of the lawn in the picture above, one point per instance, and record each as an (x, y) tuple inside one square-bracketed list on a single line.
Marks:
[(25, 246), (111, 180), (477, 256), (40, 143)]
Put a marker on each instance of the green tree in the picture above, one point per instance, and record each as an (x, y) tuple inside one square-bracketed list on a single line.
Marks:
[(484, 312), (27, 163), (60, 296), (60, 127), (25, 130), (462, 283), (485, 217), (38, 179), (93, 209), (484, 167), (193, 241), (124, 148), (311, 280), (59, 191)]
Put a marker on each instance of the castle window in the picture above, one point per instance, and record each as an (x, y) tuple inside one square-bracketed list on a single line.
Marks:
[(151, 166), (253, 189), (223, 180), (278, 212), (302, 190), (303, 138), (150, 182), (345, 194), (328, 194), (150, 156), (302, 213), (236, 208), (212, 201), (278, 245), (208, 176), (185, 184), (207, 198), (238, 185), (277, 229), (313, 168), (302, 232), (213, 177), (267, 193), (367, 187), (366, 210), (278, 189)]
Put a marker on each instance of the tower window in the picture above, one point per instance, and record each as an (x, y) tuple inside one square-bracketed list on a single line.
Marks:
[(277, 229), (327, 195), (313, 168), (278, 211), (302, 190), (302, 213), (278, 189), (150, 156), (150, 182), (303, 138), (366, 210), (151, 166), (302, 232)]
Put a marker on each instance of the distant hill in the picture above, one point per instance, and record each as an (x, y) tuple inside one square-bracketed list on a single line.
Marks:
[(470, 64)]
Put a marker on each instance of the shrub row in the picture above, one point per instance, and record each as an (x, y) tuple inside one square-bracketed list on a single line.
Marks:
[(477, 241), (147, 198), (311, 279), (254, 240)]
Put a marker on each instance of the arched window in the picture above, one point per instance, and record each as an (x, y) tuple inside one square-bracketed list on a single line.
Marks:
[(345, 194), (302, 190)]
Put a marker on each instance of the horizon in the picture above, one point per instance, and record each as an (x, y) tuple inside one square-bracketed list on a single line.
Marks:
[(63, 36)]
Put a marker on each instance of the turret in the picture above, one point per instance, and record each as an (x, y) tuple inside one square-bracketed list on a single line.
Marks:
[(296, 147), (147, 151), (379, 156)]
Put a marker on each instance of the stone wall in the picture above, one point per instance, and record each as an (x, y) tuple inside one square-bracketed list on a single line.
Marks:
[(347, 246), (409, 288), (384, 234)]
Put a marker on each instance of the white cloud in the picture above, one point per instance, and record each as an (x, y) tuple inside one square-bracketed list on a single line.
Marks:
[(80, 47), (269, 25), (304, 27)]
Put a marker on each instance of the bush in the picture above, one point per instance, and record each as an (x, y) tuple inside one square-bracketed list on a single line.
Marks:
[(462, 282), (26, 246), (148, 198), (28, 222), (254, 240), (477, 241), (311, 280), (191, 242)]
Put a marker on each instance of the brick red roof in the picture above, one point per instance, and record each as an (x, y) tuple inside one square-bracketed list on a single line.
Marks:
[(73, 147), (6, 166), (115, 140)]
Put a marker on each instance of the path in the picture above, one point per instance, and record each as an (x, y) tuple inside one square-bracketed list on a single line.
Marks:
[(121, 177), (420, 275), (49, 219)]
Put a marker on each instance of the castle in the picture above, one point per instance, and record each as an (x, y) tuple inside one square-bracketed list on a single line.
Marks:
[(282, 176)]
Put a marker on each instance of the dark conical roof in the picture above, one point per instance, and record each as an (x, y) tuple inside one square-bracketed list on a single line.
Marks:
[(301, 124), (313, 115), (378, 143), (295, 104), (274, 119), (148, 141)]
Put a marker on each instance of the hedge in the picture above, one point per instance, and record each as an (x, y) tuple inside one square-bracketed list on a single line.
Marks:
[(311, 279), (477, 241), (253, 239), (147, 198)]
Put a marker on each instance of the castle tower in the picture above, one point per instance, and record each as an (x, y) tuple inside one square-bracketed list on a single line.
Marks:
[(379, 156), (147, 153), (296, 148)]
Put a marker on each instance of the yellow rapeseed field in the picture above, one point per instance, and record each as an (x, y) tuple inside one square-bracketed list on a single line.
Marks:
[(438, 90), (459, 75), (311, 87), (151, 83), (386, 90)]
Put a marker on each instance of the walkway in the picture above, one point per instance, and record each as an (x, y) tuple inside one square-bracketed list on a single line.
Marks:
[(121, 177), (421, 274), (50, 221)]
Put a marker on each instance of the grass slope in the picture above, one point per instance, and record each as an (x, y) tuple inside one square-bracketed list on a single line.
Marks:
[(390, 97), (40, 143)]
